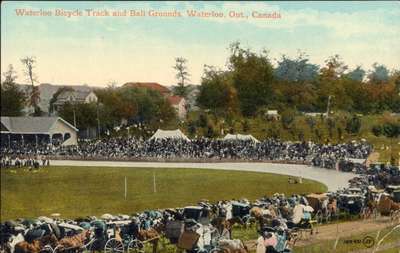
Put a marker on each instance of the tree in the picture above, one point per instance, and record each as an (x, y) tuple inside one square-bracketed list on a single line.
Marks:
[(203, 120), (192, 128), (85, 114), (379, 74), (356, 74), (252, 76), (217, 93), (12, 98), (34, 98), (182, 76), (353, 125), (331, 125), (334, 67), (287, 118), (296, 70), (390, 130), (245, 126)]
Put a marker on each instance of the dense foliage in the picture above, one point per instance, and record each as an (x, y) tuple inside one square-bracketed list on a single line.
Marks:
[(298, 84), (12, 98)]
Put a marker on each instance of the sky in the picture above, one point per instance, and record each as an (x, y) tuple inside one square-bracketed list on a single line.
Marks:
[(103, 49)]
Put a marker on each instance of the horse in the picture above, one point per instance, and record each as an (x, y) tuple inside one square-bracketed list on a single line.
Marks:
[(151, 235), (36, 245), (232, 246), (223, 225), (76, 241), (387, 206)]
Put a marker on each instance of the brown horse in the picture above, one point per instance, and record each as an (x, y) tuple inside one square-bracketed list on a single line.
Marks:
[(151, 235), (76, 241), (222, 224), (232, 246), (386, 205), (37, 245)]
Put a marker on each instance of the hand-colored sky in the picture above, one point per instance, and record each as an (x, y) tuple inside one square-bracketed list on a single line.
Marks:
[(97, 50)]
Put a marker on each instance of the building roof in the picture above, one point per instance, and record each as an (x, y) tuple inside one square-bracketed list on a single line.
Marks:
[(272, 112), (78, 95), (174, 100), (148, 85), (31, 125)]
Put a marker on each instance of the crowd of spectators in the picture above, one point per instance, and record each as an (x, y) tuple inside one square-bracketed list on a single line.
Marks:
[(321, 155)]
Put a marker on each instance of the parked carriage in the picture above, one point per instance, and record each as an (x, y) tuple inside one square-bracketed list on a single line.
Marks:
[(197, 213), (241, 210), (351, 203)]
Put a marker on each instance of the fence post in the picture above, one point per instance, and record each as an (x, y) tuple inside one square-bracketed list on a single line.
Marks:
[(154, 182), (125, 188)]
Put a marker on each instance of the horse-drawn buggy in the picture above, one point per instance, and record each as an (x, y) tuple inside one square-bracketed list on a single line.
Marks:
[(351, 204), (241, 211)]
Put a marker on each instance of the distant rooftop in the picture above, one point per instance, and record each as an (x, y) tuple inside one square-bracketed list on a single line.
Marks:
[(148, 85)]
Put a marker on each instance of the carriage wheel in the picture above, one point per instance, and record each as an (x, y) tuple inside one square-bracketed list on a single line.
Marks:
[(58, 249), (47, 249), (95, 245), (319, 217), (135, 246), (328, 217), (114, 245), (219, 250)]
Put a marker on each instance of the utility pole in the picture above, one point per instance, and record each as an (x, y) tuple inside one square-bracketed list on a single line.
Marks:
[(98, 121), (154, 182), (73, 110), (328, 107), (125, 189)]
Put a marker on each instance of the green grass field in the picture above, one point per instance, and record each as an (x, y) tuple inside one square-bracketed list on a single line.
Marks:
[(82, 191)]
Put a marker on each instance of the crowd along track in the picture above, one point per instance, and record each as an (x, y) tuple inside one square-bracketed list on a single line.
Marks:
[(333, 179)]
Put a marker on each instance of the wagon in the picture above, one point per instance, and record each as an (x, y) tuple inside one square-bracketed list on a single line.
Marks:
[(118, 243), (351, 203), (197, 213), (396, 195), (240, 209)]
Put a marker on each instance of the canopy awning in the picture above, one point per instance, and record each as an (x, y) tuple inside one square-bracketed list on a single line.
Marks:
[(240, 137), (169, 134)]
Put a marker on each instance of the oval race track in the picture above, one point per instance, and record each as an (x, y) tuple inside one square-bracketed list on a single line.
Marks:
[(333, 179)]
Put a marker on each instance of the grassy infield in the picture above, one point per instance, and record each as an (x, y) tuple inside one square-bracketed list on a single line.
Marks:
[(82, 191)]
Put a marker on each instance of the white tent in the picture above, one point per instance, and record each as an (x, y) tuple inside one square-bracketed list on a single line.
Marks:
[(169, 134), (244, 137)]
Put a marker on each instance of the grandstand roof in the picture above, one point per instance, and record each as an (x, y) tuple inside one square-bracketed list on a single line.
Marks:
[(31, 125)]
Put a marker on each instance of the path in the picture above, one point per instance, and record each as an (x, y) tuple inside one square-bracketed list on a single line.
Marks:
[(333, 179)]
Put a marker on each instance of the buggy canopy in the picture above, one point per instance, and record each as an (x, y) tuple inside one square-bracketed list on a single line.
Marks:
[(169, 134), (240, 137)]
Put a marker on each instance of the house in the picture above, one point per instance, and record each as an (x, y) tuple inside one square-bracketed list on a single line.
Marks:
[(38, 130), (272, 115), (75, 97), (179, 104), (316, 114), (47, 91)]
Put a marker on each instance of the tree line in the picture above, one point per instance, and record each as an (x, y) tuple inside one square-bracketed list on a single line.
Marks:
[(251, 83)]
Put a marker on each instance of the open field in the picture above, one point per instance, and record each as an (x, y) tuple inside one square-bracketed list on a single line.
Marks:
[(82, 191)]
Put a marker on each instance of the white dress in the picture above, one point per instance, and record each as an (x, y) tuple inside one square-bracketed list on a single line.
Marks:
[(260, 245)]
